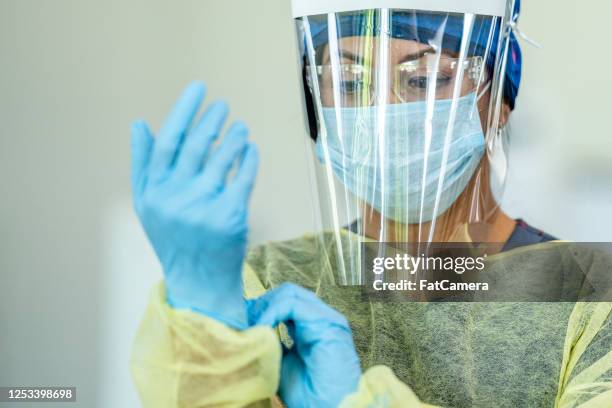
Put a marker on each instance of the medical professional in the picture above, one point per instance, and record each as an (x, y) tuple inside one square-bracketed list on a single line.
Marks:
[(407, 105)]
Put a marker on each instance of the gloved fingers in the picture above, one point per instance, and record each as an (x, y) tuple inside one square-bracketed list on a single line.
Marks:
[(292, 375), (290, 302), (223, 159), (286, 350), (241, 186), (174, 129), (257, 307), (198, 142), (141, 145)]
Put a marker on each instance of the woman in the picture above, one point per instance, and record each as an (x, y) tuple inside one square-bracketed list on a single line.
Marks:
[(407, 114)]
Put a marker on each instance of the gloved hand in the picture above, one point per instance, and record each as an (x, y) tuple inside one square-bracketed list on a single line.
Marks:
[(195, 219), (322, 367)]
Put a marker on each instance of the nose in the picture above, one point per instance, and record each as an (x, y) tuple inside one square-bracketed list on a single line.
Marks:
[(393, 98), (389, 93)]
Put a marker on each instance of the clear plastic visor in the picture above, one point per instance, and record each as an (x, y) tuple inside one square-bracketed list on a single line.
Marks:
[(404, 115)]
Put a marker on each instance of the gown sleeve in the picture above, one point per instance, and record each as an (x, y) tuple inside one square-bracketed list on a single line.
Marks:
[(184, 359), (586, 376), (380, 388)]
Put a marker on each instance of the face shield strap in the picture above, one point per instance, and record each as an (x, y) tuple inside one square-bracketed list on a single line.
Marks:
[(513, 25)]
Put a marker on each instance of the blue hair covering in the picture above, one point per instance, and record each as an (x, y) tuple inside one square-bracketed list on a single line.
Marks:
[(423, 26)]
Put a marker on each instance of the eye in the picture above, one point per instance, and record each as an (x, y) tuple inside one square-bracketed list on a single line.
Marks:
[(420, 82), (442, 81), (351, 87)]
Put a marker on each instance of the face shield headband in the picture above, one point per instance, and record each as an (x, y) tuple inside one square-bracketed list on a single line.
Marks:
[(423, 28)]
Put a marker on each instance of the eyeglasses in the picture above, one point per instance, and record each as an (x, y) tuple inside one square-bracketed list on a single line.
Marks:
[(355, 84)]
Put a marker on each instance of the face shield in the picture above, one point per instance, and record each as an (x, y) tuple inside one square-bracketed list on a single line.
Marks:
[(405, 115)]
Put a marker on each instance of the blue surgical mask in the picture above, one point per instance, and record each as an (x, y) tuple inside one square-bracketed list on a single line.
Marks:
[(382, 155)]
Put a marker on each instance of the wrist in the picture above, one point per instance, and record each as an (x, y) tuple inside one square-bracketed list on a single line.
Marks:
[(234, 316), (235, 319), (228, 307)]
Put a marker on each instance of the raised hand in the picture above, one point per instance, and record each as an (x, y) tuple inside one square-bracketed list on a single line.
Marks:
[(195, 218)]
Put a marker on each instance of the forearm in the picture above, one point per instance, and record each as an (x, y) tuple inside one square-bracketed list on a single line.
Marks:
[(182, 358)]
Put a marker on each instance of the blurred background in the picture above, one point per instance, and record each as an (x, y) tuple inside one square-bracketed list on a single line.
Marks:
[(75, 268)]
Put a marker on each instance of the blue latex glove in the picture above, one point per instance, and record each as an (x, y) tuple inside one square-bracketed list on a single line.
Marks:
[(322, 367), (194, 217)]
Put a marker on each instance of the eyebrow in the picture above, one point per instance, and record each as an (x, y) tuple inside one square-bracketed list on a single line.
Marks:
[(345, 54), (358, 59), (417, 55)]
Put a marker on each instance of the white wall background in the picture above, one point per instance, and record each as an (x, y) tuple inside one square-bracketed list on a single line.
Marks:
[(561, 162), (75, 268)]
